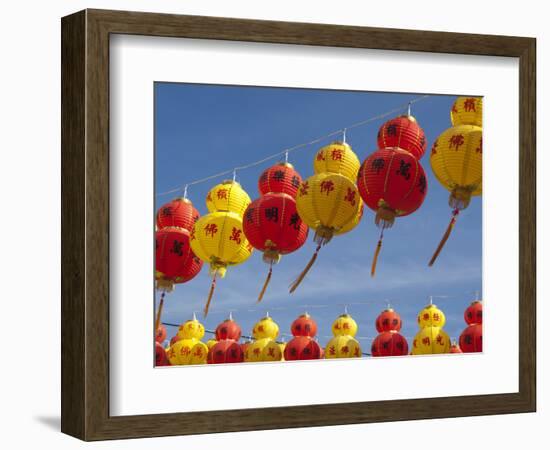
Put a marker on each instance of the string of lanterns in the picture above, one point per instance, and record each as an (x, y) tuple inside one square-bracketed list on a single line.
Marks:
[(186, 347)]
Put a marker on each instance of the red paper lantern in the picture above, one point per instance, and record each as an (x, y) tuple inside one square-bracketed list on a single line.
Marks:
[(302, 348), (474, 313), (455, 348), (225, 351), (389, 343), (228, 330), (304, 326), (388, 320), (175, 262), (471, 339), (161, 334), (180, 213), (160, 356), (280, 178), (405, 133)]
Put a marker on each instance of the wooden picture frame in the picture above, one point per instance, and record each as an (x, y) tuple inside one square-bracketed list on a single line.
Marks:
[(85, 224)]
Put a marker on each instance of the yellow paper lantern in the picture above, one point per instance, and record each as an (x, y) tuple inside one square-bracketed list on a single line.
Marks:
[(227, 196), (344, 325), (467, 111), (328, 203), (264, 349), (265, 328), (431, 316), (343, 347), (188, 352), (337, 157), (191, 329), (431, 340), (456, 160), (353, 223)]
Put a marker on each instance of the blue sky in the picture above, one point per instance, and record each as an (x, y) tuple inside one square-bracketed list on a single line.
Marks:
[(201, 130)]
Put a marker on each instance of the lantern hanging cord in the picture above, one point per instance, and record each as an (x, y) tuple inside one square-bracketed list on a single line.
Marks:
[(285, 152)]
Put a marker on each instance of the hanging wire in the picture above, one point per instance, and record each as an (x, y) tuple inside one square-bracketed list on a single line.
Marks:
[(297, 147)]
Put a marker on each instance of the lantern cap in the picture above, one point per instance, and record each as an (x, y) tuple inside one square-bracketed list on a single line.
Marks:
[(389, 309), (182, 199), (476, 301), (345, 144), (344, 315), (286, 164), (230, 182), (408, 117)]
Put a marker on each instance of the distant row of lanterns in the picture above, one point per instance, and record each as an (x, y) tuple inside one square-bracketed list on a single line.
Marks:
[(186, 347), (391, 182)]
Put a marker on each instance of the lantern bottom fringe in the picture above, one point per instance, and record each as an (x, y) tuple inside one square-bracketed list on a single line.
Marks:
[(375, 257), (446, 235), (323, 235), (165, 285), (460, 198), (304, 272), (210, 294), (217, 269), (266, 283), (271, 256), (385, 217)]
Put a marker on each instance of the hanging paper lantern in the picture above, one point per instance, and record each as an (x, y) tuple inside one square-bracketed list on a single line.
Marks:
[(474, 313), (280, 178), (344, 325), (337, 157), (392, 183), (179, 213), (272, 225), (389, 343), (388, 320), (405, 133), (161, 359), (343, 346), (431, 316), (455, 348), (471, 339), (467, 111), (304, 325), (175, 261), (191, 329), (457, 159), (431, 340), (302, 348), (218, 238), (228, 196), (226, 351), (161, 334), (264, 349), (265, 328), (228, 329), (188, 352)]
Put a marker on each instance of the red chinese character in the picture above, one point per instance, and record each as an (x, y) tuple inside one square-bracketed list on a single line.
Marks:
[(192, 234), (426, 316), (209, 197), (211, 229), (271, 351), (222, 194), (350, 196), (439, 339), (436, 317), (304, 188), (480, 148), (321, 156), (198, 351), (426, 341), (185, 351), (470, 104), (236, 235), (345, 349), (454, 108), (261, 329), (434, 147), (456, 141), (337, 154), (332, 350), (256, 351), (356, 351), (345, 325), (327, 186)]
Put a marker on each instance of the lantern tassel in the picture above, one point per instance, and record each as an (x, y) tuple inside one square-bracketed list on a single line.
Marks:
[(376, 253), (302, 275), (450, 227), (267, 280), (159, 312), (210, 294)]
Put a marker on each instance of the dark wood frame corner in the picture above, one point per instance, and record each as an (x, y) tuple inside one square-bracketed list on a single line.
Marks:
[(85, 224)]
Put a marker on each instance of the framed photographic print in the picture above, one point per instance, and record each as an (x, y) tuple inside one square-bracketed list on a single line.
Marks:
[(255, 211)]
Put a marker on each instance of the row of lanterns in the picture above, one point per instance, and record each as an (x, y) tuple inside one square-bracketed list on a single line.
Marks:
[(391, 182), (186, 347)]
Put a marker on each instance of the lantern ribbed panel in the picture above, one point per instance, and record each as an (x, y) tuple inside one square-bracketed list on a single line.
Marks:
[(174, 258), (227, 196), (262, 350), (302, 348), (337, 158), (228, 329), (344, 325), (344, 346), (179, 213), (394, 178), (467, 111), (265, 328), (353, 223), (280, 178), (191, 329), (330, 200), (389, 343), (304, 325), (271, 222), (471, 339), (388, 320), (431, 340), (188, 352), (219, 237), (474, 313), (225, 351), (431, 316), (405, 133), (456, 158)]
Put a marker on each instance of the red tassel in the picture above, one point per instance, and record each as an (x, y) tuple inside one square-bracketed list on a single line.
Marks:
[(450, 227), (267, 280), (210, 294), (376, 253), (302, 275), (159, 312)]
